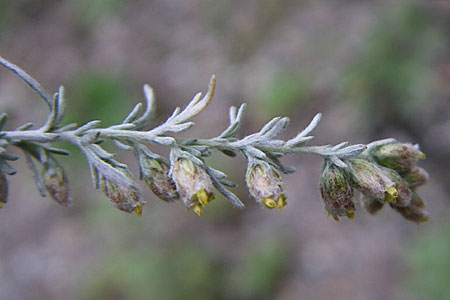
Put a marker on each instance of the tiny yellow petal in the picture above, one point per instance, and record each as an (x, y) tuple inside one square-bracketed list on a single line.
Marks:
[(281, 202), (391, 194), (350, 214), (280, 206), (198, 210), (269, 202), (336, 218), (202, 197), (138, 210)]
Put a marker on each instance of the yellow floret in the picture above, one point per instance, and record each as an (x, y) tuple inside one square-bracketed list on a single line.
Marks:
[(391, 194), (269, 202), (281, 202), (138, 210), (198, 210)]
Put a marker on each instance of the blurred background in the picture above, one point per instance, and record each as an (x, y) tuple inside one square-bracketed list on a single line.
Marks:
[(375, 69)]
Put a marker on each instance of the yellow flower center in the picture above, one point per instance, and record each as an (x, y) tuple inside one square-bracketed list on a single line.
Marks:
[(391, 194), (202, 197), (269, 202), (281, 202), (350, 214), (198, 210), (138, 210)]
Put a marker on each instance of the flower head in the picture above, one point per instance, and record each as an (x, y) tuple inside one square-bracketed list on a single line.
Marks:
[(416, 176), (193, 184), (3, 189), (127, 198), (372, 206), (155, 174), (265, 185), (373, 182), (398, 156), (336, 192), (415, 211), (56, 183)]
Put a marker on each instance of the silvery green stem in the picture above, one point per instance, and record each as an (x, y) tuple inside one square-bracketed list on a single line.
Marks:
[(188, 171), (129, 135)]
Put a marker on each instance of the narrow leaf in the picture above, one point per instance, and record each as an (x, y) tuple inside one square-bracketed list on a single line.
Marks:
[(36, 174), (312, 125), (24, 127), (133, 114), (87, 126), (121, 145), (146, 117), (61, 105)]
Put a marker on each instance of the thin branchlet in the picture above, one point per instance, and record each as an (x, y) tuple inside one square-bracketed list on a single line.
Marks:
[(381, 170)]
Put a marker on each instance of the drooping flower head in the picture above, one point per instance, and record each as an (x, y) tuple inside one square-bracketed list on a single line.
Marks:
[(265, 185), (126, 197), (398, 156), (416, 176), (55, 182), (193, 184), (337, 193), (372, 206), (155, 173), (415, 211), (373, 182)]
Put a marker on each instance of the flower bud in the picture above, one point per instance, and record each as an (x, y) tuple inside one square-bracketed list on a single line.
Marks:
[(372, 206), (416, 176), (415, 211), (155, 174), (404, 192), (265, 185), (56, 183), (3, 189), (193, 184), (398, 156), (368, 178), (336, 193), (126, 198)]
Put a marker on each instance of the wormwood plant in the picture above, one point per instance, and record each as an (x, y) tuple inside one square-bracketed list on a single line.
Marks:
[(383, 171)]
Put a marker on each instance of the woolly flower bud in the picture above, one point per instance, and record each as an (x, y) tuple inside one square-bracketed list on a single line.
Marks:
[(193, 184), (56, 183), (398, 156), (265, 185), (336, 193), (372, 206), (155, 174), (372, 181), (416, 176), (3, 189), (415, 211), (404, 192), (127, 198)]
